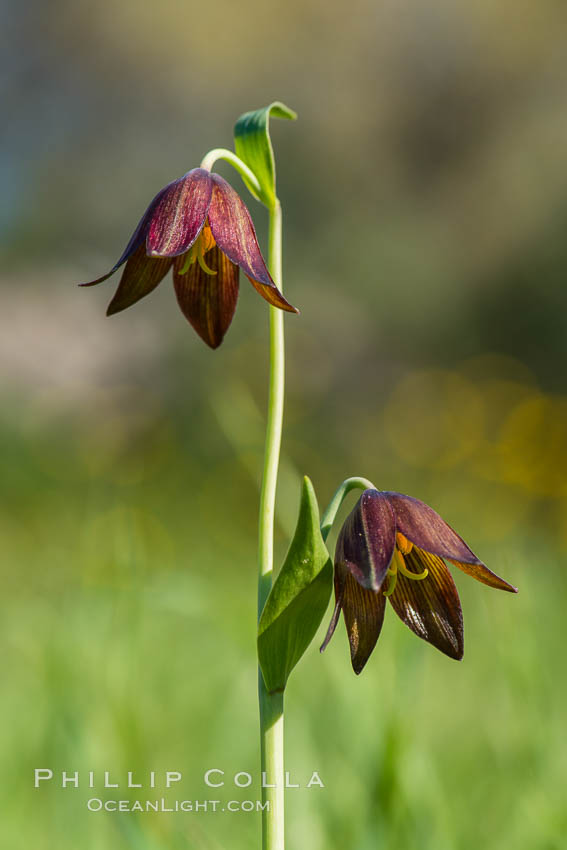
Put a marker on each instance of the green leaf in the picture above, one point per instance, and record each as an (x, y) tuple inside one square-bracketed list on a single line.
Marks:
[(253, 145), (298, 599)]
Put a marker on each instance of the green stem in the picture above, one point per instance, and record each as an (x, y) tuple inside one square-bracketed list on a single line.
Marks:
[(222, 153), (342, 491), (271, 705)]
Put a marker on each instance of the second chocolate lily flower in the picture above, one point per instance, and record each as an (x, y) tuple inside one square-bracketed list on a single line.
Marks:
[(392, 547), (199, 225)]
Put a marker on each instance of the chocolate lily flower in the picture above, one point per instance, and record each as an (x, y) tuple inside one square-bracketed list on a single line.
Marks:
[(200, 226), (392, 547)]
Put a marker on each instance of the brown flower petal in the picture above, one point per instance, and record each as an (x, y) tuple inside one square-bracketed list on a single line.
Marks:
[(208, 301), (140, 276), (430, 607), (272, 295), (180, 214), (367, 539), (481, 573), (137, 238), (426, 529), (363, 611), (234, 233)]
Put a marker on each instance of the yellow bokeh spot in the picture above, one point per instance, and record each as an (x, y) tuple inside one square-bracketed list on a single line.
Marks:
[(434, 419), (533, 451)]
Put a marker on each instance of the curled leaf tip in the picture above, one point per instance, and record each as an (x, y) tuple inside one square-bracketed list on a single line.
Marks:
[(278, 109), (253, 145)]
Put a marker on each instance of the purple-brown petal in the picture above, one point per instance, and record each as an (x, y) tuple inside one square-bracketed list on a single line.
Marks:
[(180, 214), (208, 301), (363, 611), (431, 607), (137, 239), (272, 295), (339, 590), (141, 275), (367, 540), (426, 529), (481, 573), (234, 233)]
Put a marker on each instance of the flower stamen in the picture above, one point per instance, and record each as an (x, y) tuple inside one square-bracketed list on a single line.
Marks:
[(404, 545), (407, 573), (204, 266), (414, 576), (398, 564), (392, 580), (202, 244)]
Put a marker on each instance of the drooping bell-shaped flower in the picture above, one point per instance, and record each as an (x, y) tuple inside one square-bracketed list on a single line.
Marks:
[(393, 547), (199, 226)]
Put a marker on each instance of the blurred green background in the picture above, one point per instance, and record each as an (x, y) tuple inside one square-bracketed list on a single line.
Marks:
[(425, 198)]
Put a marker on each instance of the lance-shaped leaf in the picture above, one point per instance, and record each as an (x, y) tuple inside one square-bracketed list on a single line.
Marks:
[(299, 598), (253, 145)]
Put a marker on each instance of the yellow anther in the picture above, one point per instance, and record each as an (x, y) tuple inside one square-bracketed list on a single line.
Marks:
[(404, 545)]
